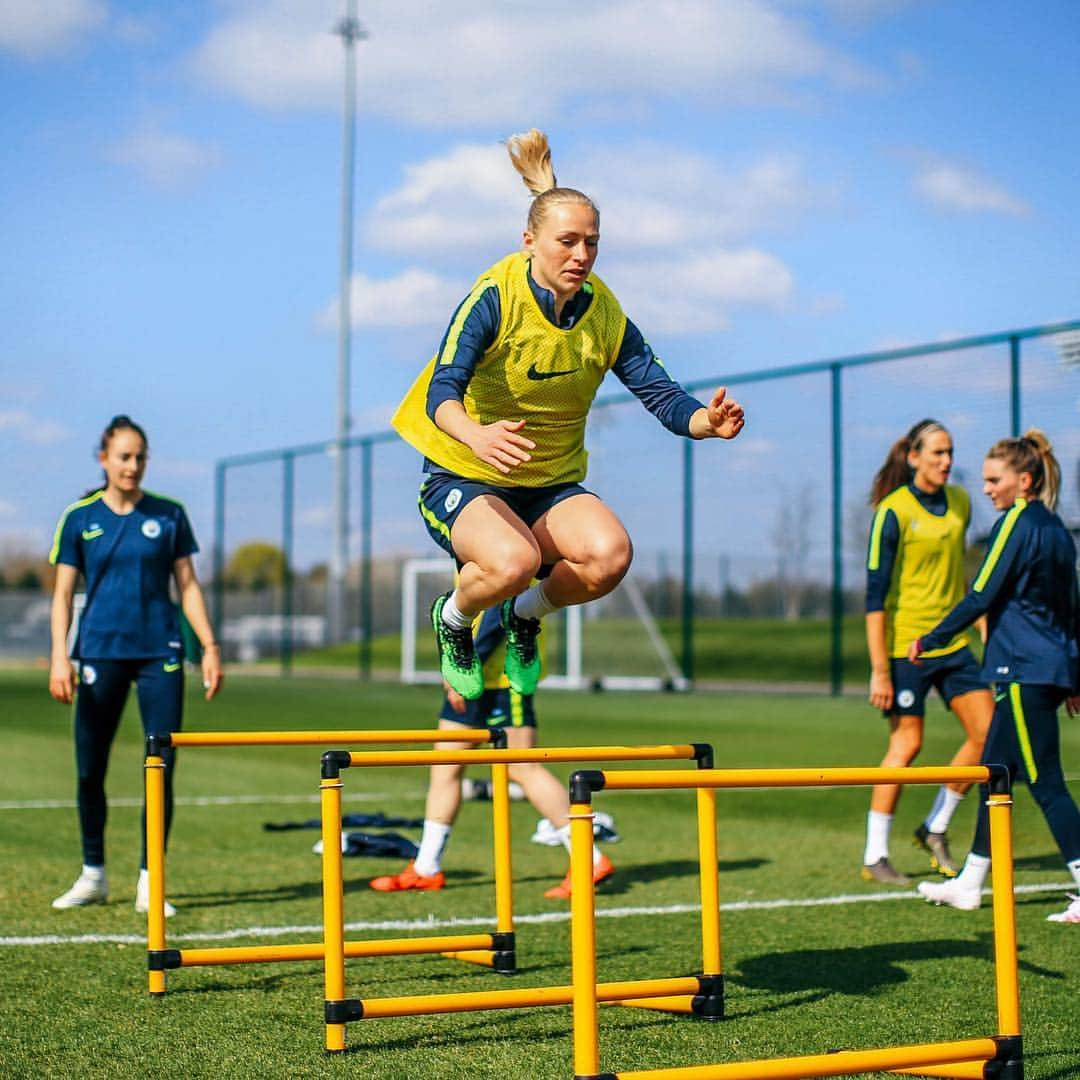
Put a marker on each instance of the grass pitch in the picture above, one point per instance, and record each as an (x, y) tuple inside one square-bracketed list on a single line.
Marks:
[(801, 977)]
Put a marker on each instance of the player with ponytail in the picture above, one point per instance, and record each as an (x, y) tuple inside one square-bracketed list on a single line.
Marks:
[(499, 414), (914, 575), (129, 546), (1027, 589)]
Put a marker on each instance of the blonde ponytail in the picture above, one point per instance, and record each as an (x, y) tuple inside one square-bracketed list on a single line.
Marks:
[(530, 154), (1032, 454)]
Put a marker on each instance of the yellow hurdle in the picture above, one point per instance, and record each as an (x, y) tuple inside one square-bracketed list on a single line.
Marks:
[(499, 950), (160, 957), (997, 1055)]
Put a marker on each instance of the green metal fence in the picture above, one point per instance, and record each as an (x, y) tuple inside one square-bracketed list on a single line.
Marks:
[(777, 517)]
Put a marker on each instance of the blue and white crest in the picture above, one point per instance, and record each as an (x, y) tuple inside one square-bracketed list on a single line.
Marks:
[(151, 528), (452, 499)]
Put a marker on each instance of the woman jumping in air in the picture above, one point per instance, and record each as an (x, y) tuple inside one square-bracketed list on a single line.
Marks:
[(499, 415)]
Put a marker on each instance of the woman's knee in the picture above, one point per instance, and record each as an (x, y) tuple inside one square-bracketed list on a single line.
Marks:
[(512, 567), (606, 557), (905, 744)]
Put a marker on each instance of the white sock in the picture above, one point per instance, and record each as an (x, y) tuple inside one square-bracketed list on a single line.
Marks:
[(877, 837), (94, 873), (432, 845), (453, 616), (974, 873), (533, 603), (564, 835), (941, 812), (1074, 869)]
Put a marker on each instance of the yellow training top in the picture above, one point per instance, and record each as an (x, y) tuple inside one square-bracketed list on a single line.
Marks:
[(928, 574), (533, 371)]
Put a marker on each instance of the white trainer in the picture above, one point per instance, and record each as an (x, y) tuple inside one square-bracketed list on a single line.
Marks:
[(142, 897), (88, 889), (1070, 914), (951, 892)]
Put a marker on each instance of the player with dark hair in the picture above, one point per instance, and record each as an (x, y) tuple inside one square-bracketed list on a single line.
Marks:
[(500, 706), (499, 415), (1027, 589), (914, 574), (129, 545)]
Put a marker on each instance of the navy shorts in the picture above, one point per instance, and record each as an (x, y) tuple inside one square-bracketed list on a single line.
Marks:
[(498, 708), (952, 675), (443, 495)]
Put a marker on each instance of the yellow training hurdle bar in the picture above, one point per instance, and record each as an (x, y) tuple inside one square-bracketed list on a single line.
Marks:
[(998, 1056), (498, 949), (161, 958)]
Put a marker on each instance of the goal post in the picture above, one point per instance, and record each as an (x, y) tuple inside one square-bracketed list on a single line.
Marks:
[(567, 667)]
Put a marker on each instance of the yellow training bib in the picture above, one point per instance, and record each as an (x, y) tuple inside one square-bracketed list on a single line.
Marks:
[(533, 371)]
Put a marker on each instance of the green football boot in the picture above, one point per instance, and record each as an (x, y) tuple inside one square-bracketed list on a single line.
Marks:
[(522, 664), (458, 661)]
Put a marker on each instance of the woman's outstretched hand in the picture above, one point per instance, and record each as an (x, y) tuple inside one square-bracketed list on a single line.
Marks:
[(722, 418)]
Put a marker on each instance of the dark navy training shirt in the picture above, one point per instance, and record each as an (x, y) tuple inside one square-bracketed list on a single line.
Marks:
[(1027, 589), (127, 561)]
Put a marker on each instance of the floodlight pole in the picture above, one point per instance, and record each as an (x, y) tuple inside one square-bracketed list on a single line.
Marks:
[(350, 31)]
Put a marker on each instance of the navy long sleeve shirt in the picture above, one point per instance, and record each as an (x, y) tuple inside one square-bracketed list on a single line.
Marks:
[(637, 366), (1027, 588)]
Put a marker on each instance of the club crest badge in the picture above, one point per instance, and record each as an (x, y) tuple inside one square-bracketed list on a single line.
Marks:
[(450, 503), (151, 528), (88, 675), (905, 699)]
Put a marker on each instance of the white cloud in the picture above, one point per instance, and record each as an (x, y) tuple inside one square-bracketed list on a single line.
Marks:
[(958, 189), (670, 220), (692, 295), (35, 28), (167, 160), (651, 197), (412, 298), (481, 63), (467, 199), (26, 428)]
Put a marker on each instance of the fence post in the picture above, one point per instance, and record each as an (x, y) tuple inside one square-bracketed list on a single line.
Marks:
[(688, 562), (286, 570), (1014, 385), (836, 665)]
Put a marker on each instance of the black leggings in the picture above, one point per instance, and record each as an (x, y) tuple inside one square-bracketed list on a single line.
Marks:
[(1024, 737), (99, 704)]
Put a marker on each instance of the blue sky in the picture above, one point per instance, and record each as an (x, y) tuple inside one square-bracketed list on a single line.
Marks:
[(779, 181)]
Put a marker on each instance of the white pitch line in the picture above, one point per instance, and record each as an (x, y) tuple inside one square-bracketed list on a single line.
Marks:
[(432, 923)]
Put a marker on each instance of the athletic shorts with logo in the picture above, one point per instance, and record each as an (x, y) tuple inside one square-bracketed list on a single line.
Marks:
[(495, 708), (951, 675), (443, 495)]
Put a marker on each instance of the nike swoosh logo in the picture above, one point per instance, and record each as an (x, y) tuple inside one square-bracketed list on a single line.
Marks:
[(171, 667), (539, 376), (92, 534)]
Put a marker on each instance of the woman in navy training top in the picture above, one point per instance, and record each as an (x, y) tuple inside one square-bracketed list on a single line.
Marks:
[(127, 544), (1027, 588)]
